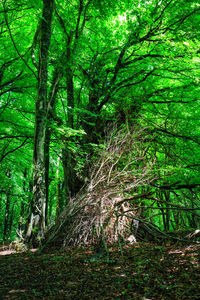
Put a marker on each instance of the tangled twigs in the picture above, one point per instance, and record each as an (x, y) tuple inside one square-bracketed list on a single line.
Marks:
[(110, 200)]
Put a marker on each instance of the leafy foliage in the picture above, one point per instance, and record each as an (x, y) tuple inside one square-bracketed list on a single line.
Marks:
[(131, 63)]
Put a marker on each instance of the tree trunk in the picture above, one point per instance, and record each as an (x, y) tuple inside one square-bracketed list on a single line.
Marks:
[(7, 211), (51, 102), (11, 218), (36, 226), (58, 191), (67, 159), (71, 182), (47, 159), (167, 211)]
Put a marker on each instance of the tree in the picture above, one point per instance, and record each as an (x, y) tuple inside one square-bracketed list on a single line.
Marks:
[(37, 221)]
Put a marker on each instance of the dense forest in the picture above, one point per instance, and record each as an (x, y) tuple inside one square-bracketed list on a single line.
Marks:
[(99, 122), (84, 82)]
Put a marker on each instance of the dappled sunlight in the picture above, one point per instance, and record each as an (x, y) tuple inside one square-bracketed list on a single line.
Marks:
[(17, 291), (6, 250)]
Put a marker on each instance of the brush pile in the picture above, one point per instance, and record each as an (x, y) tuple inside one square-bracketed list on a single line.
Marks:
[(108, 207)]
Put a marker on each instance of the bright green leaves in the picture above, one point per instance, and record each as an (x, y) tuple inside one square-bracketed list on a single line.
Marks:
[(67, 132)]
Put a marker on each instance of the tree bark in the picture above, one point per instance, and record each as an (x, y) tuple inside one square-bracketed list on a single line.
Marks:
[(36, 226), (47, 162), (51, 106), (59, 199), (7, 215)]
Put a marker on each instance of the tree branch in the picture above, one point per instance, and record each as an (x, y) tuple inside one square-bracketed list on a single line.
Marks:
[(13, 150), (11, 37)]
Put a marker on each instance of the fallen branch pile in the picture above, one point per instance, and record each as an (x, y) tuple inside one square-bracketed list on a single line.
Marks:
[(107, 206)]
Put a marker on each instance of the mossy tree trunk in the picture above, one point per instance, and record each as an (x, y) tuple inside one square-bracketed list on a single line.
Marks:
[(36, 226)]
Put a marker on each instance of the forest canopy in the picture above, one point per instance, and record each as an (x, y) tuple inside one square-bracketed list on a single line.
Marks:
[(99, 96)]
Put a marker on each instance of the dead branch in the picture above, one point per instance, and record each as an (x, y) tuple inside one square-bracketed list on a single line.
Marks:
[(102, 210)]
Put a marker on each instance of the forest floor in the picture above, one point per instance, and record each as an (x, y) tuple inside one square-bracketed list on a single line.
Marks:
[(145, 271)]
